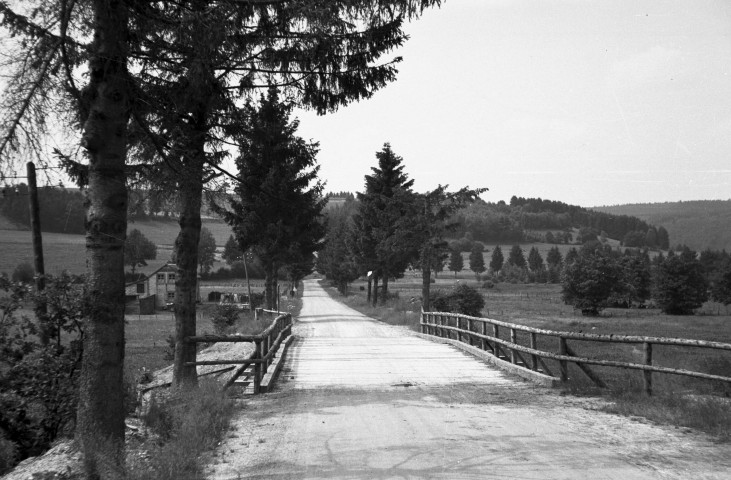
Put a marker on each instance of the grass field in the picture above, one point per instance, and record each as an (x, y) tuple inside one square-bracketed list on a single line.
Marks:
[(67, 252)]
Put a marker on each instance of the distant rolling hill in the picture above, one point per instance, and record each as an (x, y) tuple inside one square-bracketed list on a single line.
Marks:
[(699, 224)]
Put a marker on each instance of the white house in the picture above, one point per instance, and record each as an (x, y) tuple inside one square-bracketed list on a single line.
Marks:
[(160, 284)]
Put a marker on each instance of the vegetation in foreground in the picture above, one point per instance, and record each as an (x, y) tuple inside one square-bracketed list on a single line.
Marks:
[(676, 401), (184, 424)]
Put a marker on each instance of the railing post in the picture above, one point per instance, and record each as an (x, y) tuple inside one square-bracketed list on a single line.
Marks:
[(469, 329), (534, 357), (513, 339), (496, 333), (422, 325), (484, 333), (647, 374), (563, 364), (257, 366)]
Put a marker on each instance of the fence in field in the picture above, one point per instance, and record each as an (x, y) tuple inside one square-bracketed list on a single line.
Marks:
[(266, 344), (485, 334)]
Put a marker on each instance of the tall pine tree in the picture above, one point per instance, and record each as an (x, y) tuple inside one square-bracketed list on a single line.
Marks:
[(277, 207)]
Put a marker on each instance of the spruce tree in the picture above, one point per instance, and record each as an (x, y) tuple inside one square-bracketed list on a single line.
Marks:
[(515, 257), (477, 259), (535, 260), (456, 262), (277, 208), (387, 204), (554, 258), (496, 262)]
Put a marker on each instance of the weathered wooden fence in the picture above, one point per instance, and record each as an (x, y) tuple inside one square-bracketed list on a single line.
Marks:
[(266, 344), (484, 333)]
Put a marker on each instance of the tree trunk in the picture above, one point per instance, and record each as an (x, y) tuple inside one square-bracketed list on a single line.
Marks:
[(375, 289), (100, 413), (425, 286), (269, 287), (186, 258), (370, 284), (384, 297)]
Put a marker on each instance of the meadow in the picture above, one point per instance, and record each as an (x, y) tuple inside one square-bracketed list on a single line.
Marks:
[(67, 252)]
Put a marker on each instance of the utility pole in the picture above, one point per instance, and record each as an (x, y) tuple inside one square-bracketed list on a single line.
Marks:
[(35, 226)]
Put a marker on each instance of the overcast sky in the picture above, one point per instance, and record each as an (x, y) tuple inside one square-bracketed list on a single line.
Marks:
[(587, 102)]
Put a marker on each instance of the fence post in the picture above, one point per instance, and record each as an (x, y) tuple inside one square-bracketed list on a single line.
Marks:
[(469, 329), (484, 332), (257, 366), (424, 330), (458, 324), (646, 373), (495, 333), (513, 339), (534, 358), (563, 364)]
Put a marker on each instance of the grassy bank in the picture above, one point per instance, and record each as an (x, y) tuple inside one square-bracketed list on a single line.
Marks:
[(680, 401)]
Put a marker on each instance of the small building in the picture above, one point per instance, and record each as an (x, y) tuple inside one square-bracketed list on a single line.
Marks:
[(160, 284)]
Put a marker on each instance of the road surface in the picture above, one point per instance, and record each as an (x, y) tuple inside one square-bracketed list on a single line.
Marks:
[(358, 399)]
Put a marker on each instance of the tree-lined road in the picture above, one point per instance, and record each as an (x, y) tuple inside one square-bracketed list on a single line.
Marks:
[(360, 399)]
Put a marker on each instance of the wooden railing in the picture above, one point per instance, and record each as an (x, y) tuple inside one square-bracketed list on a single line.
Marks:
[(487, 337), (266, 345)]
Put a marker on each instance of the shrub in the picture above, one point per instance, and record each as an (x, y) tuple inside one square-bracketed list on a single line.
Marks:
[(39, 381), (224, 318), (23, 273), (463, 299)]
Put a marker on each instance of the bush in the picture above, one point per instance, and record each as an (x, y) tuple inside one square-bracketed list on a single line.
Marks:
[(39, 382), (23, 273), (463, 299), (224, 318)]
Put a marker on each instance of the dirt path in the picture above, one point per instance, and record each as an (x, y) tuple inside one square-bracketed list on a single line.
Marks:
[(359, 400)]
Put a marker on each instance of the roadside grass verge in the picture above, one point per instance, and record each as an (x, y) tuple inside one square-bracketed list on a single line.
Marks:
[(184, 424), (397, 310), (676, 400)]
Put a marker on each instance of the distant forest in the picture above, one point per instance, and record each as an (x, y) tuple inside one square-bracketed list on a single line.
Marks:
[(536, 219), (699, 224), (61, 209)]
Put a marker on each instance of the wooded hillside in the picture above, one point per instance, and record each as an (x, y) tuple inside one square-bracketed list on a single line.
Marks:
[(699, 224)]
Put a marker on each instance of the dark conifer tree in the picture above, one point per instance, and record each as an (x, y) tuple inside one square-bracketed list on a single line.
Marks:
[(456, 262), (516, 257), (477, 259), (277, 206), (496, 262), (535, 260), (386, 245)]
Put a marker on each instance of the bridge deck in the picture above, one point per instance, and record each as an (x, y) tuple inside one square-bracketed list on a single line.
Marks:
[(358, 399)]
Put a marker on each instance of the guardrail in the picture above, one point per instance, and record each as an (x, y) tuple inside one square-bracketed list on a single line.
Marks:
[(446, 324), (266, 345)]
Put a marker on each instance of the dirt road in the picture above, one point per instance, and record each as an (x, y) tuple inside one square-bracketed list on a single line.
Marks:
[(360, 400)]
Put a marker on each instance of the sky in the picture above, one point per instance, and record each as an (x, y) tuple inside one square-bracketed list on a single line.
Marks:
[(586, 102)]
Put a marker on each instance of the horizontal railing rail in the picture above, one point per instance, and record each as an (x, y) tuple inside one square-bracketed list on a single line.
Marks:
[(437, 324), (266, 345)]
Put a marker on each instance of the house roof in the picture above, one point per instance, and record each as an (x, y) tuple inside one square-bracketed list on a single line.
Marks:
[(168, 267)]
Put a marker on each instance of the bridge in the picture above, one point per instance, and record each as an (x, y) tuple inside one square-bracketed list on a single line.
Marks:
[(360, 399)]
